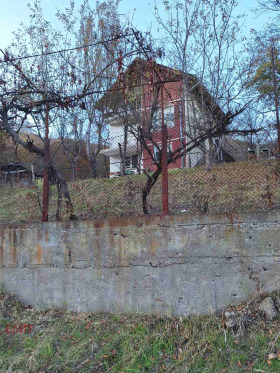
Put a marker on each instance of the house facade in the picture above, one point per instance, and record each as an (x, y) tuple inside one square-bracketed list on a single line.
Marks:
[(181, 116)]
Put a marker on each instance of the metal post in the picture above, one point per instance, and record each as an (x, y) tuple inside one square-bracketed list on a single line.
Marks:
[(164, 163), (45, 216), (33, 173), (276, 98), (182, 116)]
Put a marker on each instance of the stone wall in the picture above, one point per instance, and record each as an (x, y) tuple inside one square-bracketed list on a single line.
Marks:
[(173, 265)]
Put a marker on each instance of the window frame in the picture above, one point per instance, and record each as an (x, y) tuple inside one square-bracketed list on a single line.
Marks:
[(129, 158), (156, 123), (169, 151)]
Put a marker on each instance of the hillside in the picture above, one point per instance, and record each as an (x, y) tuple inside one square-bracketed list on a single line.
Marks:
[(232, 187), (11, 153)]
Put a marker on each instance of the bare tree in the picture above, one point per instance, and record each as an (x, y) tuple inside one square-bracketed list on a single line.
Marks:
[(53, 77), (98, 23), (206, 113), (203, 40)]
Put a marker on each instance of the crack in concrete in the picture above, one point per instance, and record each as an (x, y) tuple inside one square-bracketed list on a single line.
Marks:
[(157, 264)]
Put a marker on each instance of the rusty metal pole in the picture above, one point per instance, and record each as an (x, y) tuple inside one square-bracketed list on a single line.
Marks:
[(164, 163), (45, 216), (276, 98)]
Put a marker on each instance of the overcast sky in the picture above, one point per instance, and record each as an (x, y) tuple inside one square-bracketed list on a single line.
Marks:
[(13, 12)]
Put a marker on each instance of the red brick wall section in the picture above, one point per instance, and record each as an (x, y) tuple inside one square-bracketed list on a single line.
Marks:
[(172, 92)]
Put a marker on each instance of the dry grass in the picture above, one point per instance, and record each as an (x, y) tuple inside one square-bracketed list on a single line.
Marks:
[(63, 341), (234, 187)]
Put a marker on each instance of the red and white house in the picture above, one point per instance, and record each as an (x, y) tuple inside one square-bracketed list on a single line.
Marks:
[(180, 116)]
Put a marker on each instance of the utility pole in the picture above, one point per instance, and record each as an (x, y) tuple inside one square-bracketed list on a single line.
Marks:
[(275, 97), (164, 163), (45, 216)]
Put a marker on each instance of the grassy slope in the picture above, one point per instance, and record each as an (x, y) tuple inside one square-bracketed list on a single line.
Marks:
[(234, 187), (72, 342)]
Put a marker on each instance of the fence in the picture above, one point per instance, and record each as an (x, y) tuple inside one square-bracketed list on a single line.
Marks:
[(157, 147), (241, 186)]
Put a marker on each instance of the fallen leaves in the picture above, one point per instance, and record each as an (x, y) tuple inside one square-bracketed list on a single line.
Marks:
[(273, 356)]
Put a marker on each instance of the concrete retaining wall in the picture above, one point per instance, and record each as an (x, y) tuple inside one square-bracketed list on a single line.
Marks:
[(173, 265)]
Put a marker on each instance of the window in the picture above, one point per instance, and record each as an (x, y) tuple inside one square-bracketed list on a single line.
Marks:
[(157, 155), (134, 161), (131, 161), (157, 121), (127, 161), (168, 118), (169, 150)]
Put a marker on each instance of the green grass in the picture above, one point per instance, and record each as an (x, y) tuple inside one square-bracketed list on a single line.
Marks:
[(233, 187), (101, 342)]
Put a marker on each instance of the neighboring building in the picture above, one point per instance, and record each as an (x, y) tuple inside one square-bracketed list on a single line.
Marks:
[(181, 117), (14, 173)]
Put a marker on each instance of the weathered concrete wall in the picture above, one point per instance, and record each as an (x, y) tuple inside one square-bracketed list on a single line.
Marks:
[(175, 264)]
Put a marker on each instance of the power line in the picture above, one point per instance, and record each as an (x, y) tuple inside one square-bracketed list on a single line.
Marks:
[(80, 95), (63, 50)]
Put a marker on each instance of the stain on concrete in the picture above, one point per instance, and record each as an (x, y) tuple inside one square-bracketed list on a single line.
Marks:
[(174, 264), (39, 253), (12, 246)]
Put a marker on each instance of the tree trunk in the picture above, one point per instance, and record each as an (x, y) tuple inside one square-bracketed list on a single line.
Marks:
[(93, 166), (147, 189), (32, 148), (92, 155), (207, 147), (122, 164), (59, 202), (64, 190), (72, 167)]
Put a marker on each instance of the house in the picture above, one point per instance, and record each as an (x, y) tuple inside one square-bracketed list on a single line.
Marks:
[(133, 102)]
